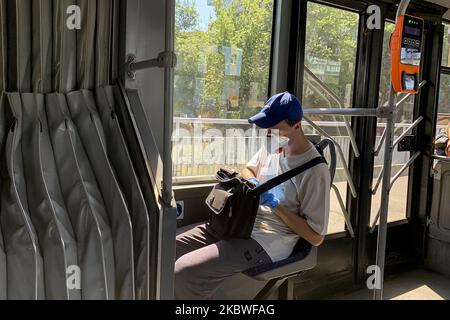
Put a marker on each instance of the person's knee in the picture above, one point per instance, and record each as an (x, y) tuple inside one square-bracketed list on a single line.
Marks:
[(186, 280), (181, 269)]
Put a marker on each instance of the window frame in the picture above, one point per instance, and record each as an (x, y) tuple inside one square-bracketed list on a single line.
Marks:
[(446, 69)]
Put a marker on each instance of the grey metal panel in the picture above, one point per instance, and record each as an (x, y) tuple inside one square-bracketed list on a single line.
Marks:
[(165, 216), (3, 275), (145, 38), (115, 41), (19, 45), (83, 110), (438, 256), (152, 154), (84, 203), (127, 120), (3, 128), (148, 32), (46, 205), (168, 229), (3, 265), (86, 44), (41, 77), (2, 45), (64, 49), (440, 210), (445, 4), (126, 175), (24, 260)]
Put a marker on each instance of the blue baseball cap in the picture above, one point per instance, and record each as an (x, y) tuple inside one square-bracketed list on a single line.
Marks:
[(281, 107)]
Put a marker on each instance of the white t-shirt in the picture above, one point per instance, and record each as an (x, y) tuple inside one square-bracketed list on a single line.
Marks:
[(307, 194)]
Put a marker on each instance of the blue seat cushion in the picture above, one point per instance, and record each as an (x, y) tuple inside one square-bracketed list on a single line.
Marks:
[(300, 252)]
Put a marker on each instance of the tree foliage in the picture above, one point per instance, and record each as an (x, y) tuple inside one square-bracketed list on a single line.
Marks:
[(331, 40), (201, 73), (204, 86), (186, 16)]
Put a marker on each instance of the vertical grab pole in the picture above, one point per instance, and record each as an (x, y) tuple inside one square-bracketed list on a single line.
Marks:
[(389, 148), (386, 189), (167, 194), (168, 217)]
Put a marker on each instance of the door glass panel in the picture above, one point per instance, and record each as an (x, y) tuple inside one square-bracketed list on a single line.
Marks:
[(405, 116), (330, 60), (221, 79)]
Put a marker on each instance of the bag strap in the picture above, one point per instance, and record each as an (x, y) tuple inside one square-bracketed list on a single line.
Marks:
[(288, 175)]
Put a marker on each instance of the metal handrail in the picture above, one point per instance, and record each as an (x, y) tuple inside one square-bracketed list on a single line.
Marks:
[(347, 112), (441, 158), (402, 100), (347, 173), (398, 104), (396, 142), (344, 211), (341, 104), (406, 166), (380, 144), (407, 131), (396, 177)]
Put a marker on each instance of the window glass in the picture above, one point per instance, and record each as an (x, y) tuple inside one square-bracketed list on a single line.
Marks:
[(330, 57), (405, 116), (446, 50), (443, 104), (221, 79), (330, 60)]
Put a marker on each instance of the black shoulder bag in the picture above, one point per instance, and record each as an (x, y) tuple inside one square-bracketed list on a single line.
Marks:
[(234, 201)]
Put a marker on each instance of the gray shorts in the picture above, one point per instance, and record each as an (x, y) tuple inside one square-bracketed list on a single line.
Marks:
[(204, 261)]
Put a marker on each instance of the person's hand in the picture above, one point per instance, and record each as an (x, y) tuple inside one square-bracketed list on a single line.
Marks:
[(255, 182), (269, 200)]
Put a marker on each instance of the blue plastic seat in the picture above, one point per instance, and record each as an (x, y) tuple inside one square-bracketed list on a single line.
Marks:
[(304, 257)]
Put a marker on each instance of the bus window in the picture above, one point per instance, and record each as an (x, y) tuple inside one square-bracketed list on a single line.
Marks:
[(444, 104), (330, 60), (446, 49), (222, 78), (398, 200), (443, 119)]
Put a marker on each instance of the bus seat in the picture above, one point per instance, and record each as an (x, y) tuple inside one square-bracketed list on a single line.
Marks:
[(304, 256)]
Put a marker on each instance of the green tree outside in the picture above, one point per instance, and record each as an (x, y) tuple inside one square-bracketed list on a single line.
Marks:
[(202, 74)]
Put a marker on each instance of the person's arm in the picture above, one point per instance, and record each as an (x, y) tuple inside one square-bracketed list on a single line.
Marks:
[(300, 226), (247, 173), (252, 167)]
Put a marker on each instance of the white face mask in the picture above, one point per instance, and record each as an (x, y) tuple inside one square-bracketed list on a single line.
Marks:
[(277, 140), (283, 140)]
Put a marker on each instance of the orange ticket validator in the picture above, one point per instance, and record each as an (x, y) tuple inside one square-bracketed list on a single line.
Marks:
[(406, 54)]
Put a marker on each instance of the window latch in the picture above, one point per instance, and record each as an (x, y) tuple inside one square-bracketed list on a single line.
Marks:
[(166, 59)]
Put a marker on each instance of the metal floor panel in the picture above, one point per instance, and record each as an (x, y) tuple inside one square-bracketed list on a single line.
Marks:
[(412, 285), (120, 159)]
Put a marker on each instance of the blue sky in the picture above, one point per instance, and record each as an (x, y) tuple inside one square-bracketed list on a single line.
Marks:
[(206, 12)]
